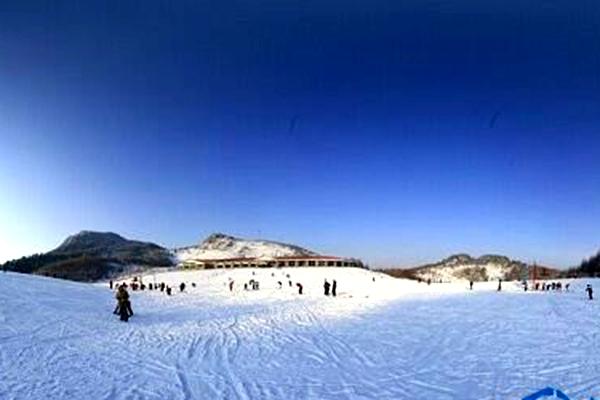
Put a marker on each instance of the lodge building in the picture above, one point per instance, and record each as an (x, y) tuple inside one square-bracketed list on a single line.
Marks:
[(275, 262)]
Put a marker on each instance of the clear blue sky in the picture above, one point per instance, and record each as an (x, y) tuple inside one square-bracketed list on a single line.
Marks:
[(395, 131)]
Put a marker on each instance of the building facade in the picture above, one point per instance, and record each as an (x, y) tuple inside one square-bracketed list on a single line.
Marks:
[(276, 262)]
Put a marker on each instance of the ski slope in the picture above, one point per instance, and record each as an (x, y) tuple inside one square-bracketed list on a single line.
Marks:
[(387, 339)]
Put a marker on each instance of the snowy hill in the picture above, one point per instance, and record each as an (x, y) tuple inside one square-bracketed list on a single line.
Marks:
[(485, 268), (220, 246), (379, 339)]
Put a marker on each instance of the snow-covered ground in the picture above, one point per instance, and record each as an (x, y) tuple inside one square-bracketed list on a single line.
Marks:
[(382, 339)]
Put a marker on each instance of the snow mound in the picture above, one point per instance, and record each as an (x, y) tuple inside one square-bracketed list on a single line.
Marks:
[(219, 246)]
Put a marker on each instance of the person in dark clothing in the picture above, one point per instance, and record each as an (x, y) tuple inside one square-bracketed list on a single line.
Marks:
[(470, 285), (162, 287), (231, 286), (123, 304), (168, 290), (499, 285), (150, 286), (182, 287), (110, 284), (334, 288), (280, 284), (429, 281), (123, 313), (299, 288), (290, 283), (590, 292), (326, 287)]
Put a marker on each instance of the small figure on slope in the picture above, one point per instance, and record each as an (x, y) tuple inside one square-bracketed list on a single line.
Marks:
[(499, 285), (182, 287), (590, 292), (470, 285), (123, 304), (334, 288), (326, 287), (299, 287)]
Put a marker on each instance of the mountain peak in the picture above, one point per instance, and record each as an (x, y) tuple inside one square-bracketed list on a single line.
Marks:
[(222, 246), (85, 240)]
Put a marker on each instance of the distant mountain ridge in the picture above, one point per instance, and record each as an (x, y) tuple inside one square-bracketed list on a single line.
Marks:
[(465, 267), (89, 256)]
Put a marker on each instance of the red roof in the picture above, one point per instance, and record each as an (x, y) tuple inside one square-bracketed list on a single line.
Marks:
[(255, 260)]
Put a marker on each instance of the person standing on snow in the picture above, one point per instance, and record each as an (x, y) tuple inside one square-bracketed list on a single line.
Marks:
[(182, 287), (470, 285), (123, 304), (590, 292), (326, 287), (299, 287), (499, 285), (231, 286), (334, 288)]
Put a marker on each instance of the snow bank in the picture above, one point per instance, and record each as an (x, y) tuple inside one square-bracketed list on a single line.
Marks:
[(388, 339)]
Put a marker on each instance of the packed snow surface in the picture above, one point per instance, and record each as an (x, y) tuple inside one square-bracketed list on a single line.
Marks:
[(382, 339)]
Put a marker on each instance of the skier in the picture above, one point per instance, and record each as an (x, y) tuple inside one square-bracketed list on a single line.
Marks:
[(150, 287), (590, 292), (470, 285), (567, 286), (499, 285), (334, 288), (123, 304), (182, 287), (110, 284), (326, 287), (299, 288), (231, 286), (168, 290), (429, 281), (162, 286), (280, 284)]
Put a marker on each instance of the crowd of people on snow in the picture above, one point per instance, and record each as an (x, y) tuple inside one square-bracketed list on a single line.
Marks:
[(329, 289), (123, 308)]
